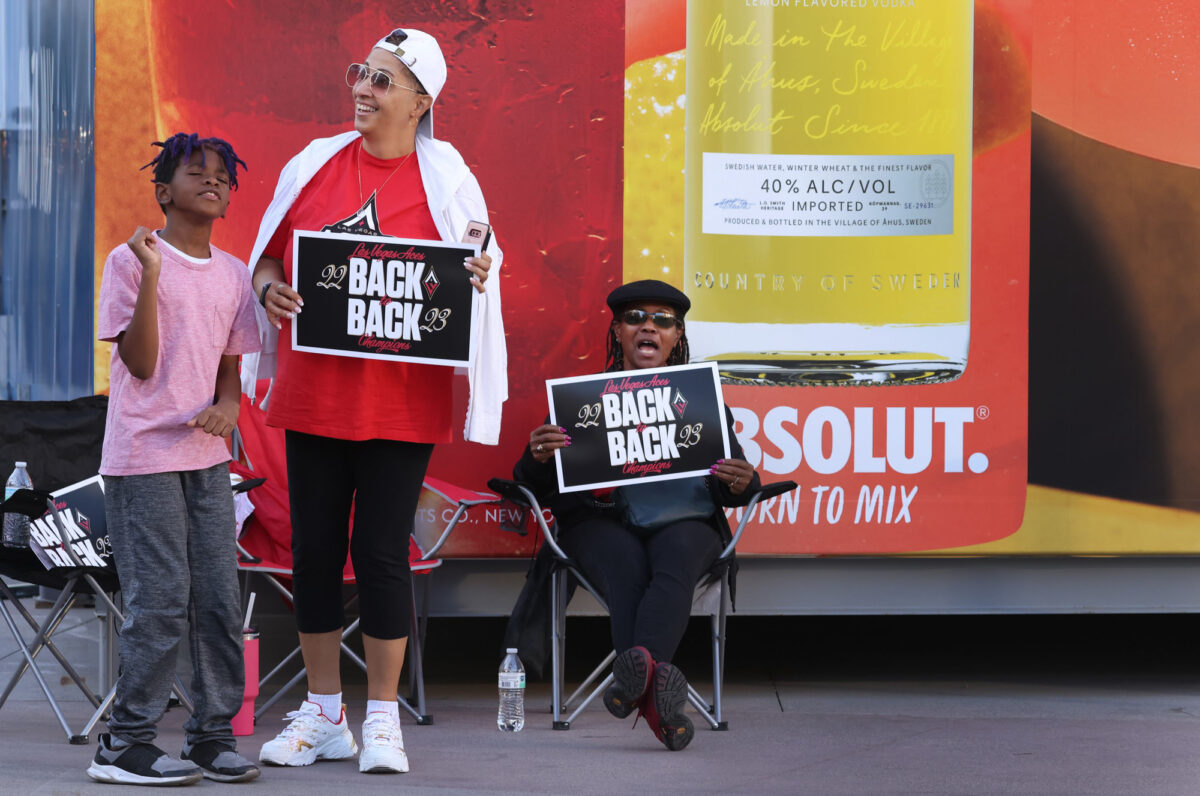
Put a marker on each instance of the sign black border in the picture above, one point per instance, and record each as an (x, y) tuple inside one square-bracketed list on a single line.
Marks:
[(370, 239), (638, 479)]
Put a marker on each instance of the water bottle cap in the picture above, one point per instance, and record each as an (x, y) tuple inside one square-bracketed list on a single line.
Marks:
[(511, 650), (21, 464)]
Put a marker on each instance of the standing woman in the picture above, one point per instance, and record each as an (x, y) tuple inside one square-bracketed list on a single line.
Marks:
[(360, 432)]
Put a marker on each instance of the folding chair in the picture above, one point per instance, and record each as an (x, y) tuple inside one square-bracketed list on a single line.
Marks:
[(712, 599), (462, 499), (420, 563), (71, 580), (270, 558), (62, 441)]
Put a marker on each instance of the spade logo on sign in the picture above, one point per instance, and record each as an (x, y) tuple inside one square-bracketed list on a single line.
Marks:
[(679, 402), (431, 284)]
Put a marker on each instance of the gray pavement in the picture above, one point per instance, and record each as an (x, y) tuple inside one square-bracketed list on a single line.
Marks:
[(953, 709)]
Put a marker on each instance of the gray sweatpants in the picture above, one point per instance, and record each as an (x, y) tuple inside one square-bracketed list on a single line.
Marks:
[(173, 542)]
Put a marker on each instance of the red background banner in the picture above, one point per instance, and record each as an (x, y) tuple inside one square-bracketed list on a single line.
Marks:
[(535, 102)]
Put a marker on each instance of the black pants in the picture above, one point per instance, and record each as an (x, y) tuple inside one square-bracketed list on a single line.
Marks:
[(647, 581), (382, 480)]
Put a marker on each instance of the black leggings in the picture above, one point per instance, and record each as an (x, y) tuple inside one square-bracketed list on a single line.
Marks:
[(647, 582), (382, 480)]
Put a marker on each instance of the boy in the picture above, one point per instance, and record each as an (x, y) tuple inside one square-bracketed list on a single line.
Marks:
[(180, 311)]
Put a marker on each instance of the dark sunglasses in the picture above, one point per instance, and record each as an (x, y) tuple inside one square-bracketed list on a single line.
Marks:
[(663, 320), (380, 81)]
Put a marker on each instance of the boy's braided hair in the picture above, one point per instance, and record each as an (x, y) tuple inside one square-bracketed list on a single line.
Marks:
[(179, 147)]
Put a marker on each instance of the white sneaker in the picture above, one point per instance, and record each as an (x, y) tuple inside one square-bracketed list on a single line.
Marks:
[(310, 737), (383, 746)]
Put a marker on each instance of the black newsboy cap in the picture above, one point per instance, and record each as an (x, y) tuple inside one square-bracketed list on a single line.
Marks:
[(649, 290)]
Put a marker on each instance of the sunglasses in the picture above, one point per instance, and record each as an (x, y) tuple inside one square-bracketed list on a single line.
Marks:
[(380, 82), (663, 320)]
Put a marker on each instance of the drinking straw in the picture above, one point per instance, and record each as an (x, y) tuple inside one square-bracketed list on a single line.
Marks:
[(249, 609)]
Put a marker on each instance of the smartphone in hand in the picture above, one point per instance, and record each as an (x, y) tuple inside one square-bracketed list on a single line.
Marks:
[(478, 234)]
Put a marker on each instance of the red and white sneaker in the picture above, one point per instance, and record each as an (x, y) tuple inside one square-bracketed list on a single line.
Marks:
[(310, 737)]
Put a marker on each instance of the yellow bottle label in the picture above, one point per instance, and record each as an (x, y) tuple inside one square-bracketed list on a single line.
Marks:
[(828, 163)]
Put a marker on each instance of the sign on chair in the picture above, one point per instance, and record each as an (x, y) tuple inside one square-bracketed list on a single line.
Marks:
[(81, 507)]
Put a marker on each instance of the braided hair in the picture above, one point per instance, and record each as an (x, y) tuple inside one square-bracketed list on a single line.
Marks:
[(179, 148), (615, 359)]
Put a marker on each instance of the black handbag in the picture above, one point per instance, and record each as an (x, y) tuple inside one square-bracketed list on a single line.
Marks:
[(529, 625), (651, 506)]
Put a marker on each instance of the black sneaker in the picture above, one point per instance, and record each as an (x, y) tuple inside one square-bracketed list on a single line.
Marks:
[(670, 692), (631, 677), (220, 761), (139, 764)]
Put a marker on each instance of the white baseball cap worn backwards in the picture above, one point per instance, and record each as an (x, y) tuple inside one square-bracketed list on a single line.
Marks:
[(421, 55)]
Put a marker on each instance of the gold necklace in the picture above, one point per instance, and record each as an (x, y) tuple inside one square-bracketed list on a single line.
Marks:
[(358, 167)]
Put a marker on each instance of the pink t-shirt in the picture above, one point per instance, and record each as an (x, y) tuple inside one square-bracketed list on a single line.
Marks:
[(205, 310)]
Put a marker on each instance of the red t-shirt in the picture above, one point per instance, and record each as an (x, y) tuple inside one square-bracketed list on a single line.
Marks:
[(345, 397)]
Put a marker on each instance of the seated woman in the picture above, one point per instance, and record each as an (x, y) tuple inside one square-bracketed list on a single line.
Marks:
[(647, 576)]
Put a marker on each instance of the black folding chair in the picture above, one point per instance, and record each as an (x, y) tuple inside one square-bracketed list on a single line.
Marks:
[(62, 442), (71, 581), (711, 599)]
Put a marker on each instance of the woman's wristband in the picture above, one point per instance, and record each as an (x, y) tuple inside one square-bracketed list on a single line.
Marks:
[(262, 294)]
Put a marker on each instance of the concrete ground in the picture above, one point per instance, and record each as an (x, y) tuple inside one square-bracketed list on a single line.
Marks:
[(833, 705)]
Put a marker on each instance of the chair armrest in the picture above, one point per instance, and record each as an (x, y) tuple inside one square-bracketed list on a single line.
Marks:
[(764, 492), (244, 556), (516, 491), (521, 494), (30, 502), (247, 485), (768, 491), (460, 511)]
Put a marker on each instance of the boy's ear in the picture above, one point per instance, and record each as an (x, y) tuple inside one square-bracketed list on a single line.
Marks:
[(162, 193)]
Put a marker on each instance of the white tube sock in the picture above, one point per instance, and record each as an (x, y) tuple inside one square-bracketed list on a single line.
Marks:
[(382, 706), (330, 704)]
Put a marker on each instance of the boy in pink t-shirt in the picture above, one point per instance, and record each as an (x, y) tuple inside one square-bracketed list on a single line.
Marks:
[(180, 311)]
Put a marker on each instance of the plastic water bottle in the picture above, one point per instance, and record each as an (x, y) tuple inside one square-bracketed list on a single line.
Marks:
[(16, 526), (511, 717)]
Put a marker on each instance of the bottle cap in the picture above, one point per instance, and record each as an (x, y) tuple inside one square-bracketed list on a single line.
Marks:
[(21, 464), (511, 650)]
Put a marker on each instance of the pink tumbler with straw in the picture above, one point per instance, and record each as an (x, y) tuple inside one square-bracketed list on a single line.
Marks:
[(243, 721)]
